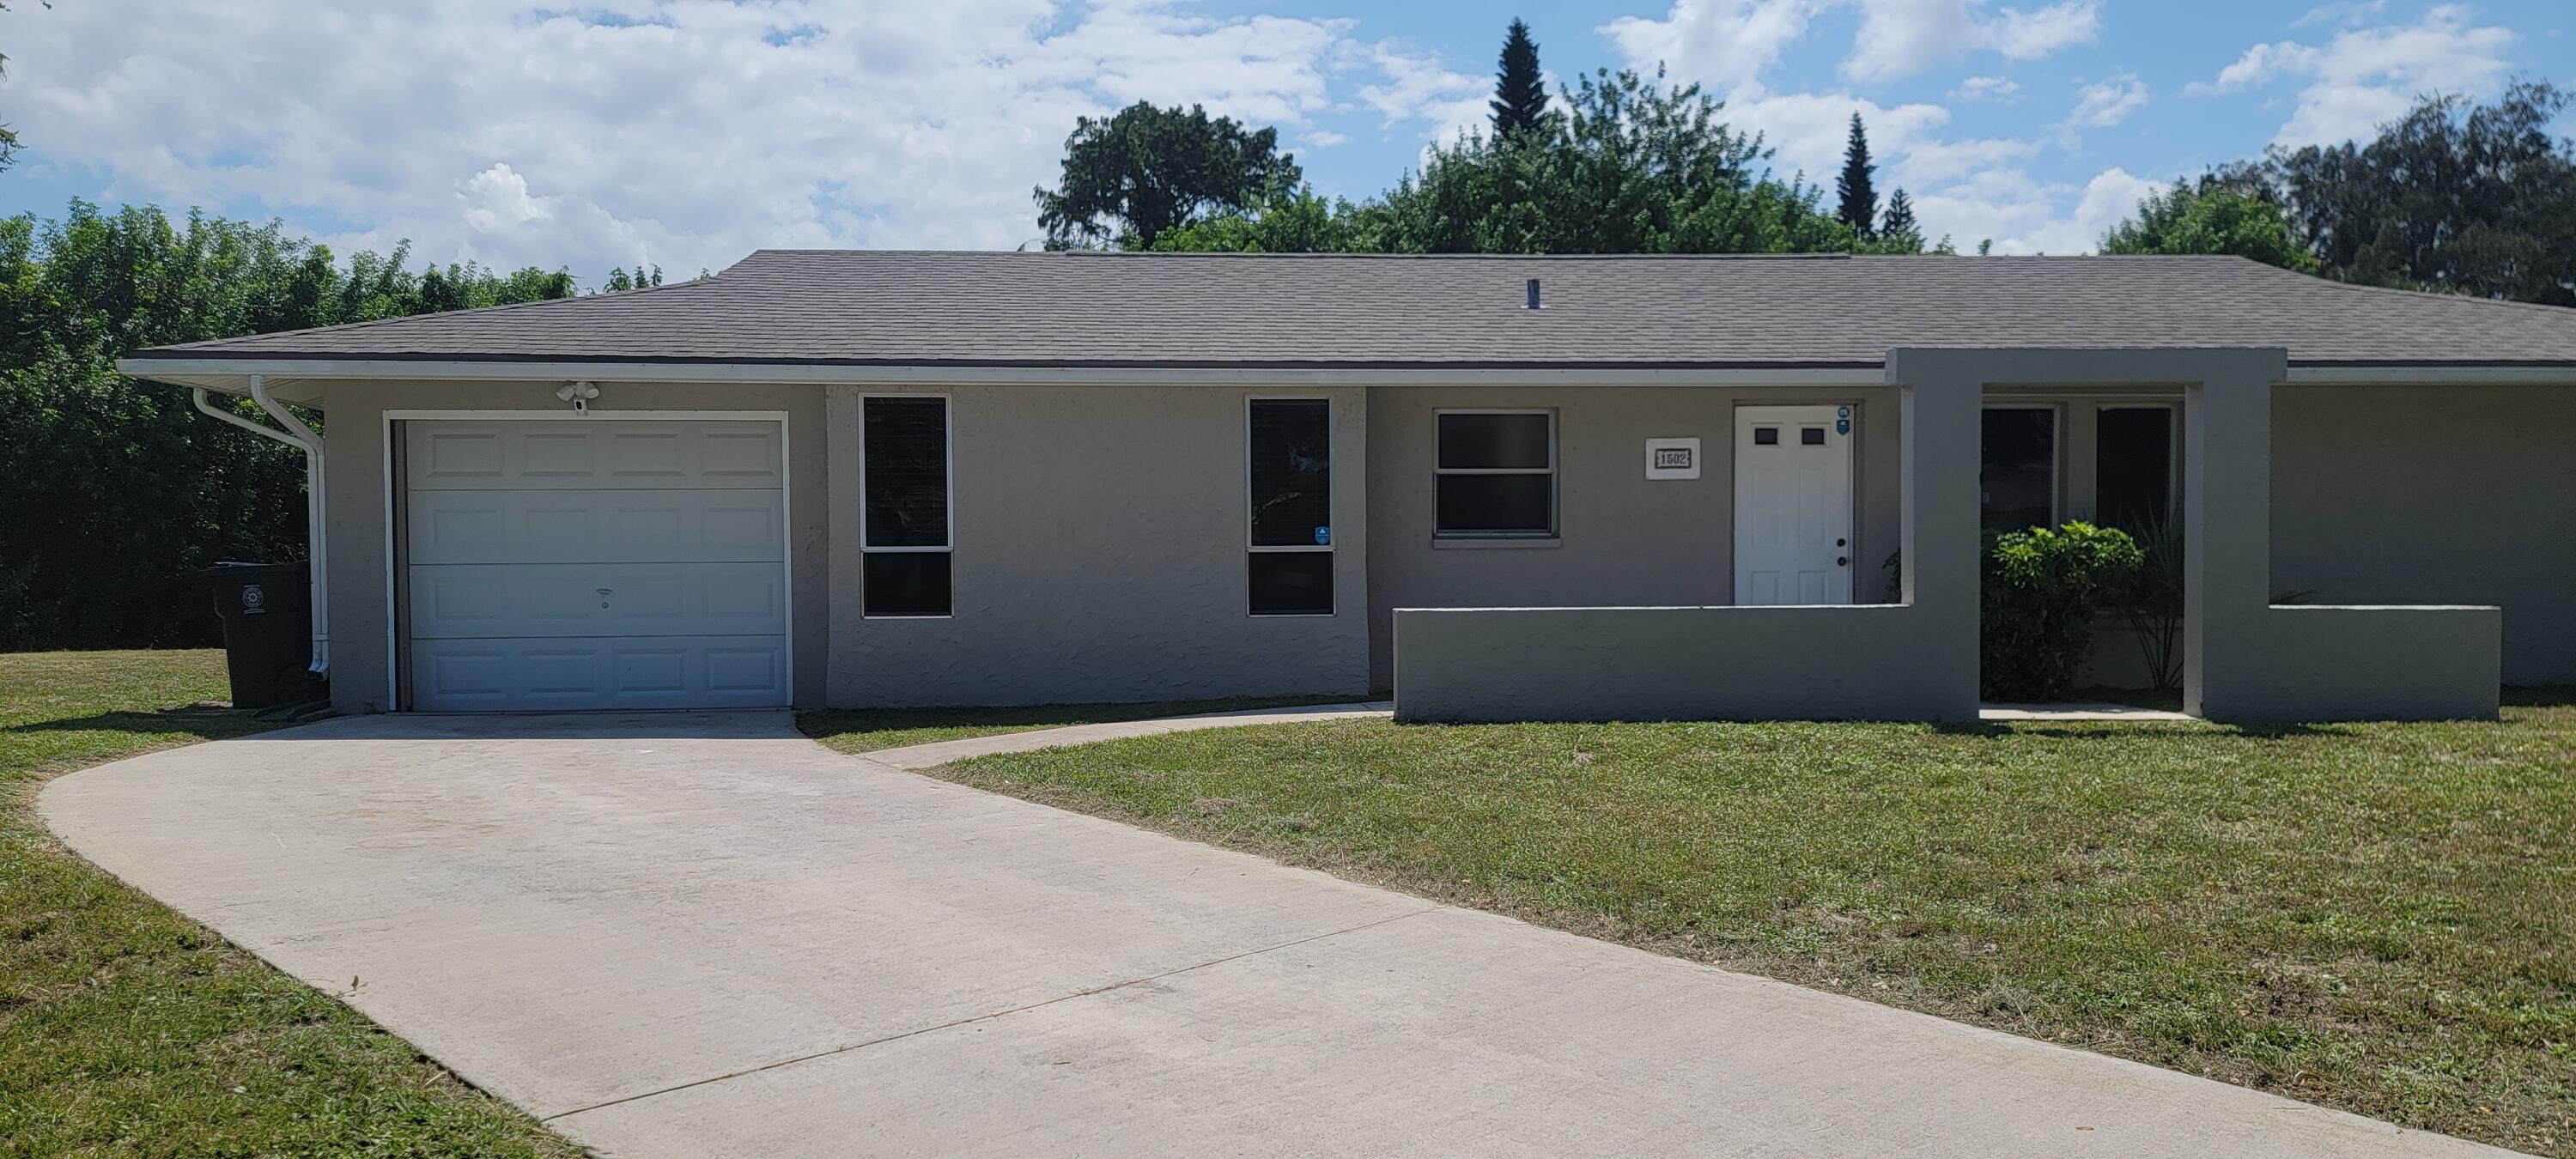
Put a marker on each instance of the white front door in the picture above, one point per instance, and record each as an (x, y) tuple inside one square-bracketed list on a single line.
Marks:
[(1793, 504), (596, 563)]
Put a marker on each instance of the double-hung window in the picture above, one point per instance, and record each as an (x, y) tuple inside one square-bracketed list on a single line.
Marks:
[(2017, 468), (1495, 475), (2133, 467), (904, 534), (1289, 451)]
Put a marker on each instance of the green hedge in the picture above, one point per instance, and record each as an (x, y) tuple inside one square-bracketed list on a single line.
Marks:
[(2042, 589)]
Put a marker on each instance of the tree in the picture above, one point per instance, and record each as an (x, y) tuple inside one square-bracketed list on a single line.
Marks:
[(1899, 221), (1520, 94), (1632, 167), (1294, 221), (116, 490), (620, 279), (2454, 196), (1132, 176), (1859, 204), (2211, 220)]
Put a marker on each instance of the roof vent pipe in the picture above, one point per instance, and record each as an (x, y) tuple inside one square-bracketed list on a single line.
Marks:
[(1533, 294)]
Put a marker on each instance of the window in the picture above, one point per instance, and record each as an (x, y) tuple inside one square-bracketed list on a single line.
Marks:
[(2017, 468), (903, 509), (1495, 474), (2133, 467), (1289, 452)]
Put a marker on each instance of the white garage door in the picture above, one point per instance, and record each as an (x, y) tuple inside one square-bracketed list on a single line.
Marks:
[(595, 563)]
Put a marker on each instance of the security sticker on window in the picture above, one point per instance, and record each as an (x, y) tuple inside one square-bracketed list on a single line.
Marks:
[(1842, 420), (1672, 458), (1323, 537)]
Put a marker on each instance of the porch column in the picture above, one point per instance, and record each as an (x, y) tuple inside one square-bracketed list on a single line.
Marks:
[(2227, 532), (1944, 390)]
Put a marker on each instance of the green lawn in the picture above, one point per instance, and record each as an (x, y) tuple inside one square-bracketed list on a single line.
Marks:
[(869, 729), (128, 1029), (2380, 917)]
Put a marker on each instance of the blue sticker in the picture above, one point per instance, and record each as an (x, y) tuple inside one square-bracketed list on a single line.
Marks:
[(1842, 412), (1323, 536), (1842, 426)]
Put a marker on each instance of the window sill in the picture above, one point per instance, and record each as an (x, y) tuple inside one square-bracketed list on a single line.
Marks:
[(1480, 543)]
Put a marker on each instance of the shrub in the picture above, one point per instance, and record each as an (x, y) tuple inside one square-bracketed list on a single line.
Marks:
[(2041, 590)]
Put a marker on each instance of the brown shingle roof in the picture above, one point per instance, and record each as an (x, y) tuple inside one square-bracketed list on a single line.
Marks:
[(879, 307)]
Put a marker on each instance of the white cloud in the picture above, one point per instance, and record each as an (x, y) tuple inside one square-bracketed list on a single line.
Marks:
[(678, 132), (1986, 88), (2345, 12), (2365, 77), (2022, 216), (1808, 131), (1899, 38), (1420, 88), (1723, 43), (2100, 106)]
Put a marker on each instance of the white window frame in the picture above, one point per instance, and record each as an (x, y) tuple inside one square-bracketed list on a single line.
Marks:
[(2056, 454), (1555, 496), (948, 450), (1332, 464)]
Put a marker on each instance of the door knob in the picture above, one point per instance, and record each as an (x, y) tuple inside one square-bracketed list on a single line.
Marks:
[(1842, 561), (1841, 542)]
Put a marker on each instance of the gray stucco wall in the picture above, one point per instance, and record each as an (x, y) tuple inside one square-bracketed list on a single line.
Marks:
[(1100, 555), (2434, 495), (1624, 540), (355, 466)]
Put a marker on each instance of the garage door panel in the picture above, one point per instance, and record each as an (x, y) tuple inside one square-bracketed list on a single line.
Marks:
[(593, 673), (475, 601), (558, 565), (590, 454), (483, 526)]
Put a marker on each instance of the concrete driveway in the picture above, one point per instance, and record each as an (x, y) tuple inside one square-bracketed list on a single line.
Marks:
[(705, 935)]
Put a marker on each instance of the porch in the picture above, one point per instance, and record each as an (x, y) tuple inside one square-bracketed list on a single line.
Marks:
[(2244, 658)]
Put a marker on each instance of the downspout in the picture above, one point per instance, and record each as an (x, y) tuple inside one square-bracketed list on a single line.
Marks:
[(302, 438)]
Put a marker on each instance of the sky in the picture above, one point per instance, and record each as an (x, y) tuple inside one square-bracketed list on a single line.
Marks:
[(686, 133)]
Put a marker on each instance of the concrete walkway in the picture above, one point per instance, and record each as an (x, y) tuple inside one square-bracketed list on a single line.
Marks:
[(704, 935)]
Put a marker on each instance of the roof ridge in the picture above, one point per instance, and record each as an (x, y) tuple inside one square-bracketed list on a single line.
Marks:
[(338, 327), (2567, 312)]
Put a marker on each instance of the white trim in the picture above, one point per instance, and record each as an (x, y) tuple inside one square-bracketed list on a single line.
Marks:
[(1332, 453), (230, 374), (1555, 482), (2432, 376), (786, 507), (948, 481), (223, 370)]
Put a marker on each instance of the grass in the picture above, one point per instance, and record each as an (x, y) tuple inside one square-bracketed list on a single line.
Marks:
[(870, 729), (2375, 917), (128, 1029)]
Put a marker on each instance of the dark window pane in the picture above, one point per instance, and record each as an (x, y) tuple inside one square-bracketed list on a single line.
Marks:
[(2133, 467), (1292, 472), (1811, 436), (903, 583), (904, 444), (1766, 436), (2017, 472), (1493, 440), (1292, 583), (1497, 504)]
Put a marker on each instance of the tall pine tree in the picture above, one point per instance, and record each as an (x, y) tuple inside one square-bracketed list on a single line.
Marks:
[(1900, 216), (1520, 96), (1859, 200)]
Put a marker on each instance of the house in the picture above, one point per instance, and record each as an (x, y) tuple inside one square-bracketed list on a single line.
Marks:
[(1503, 486)]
